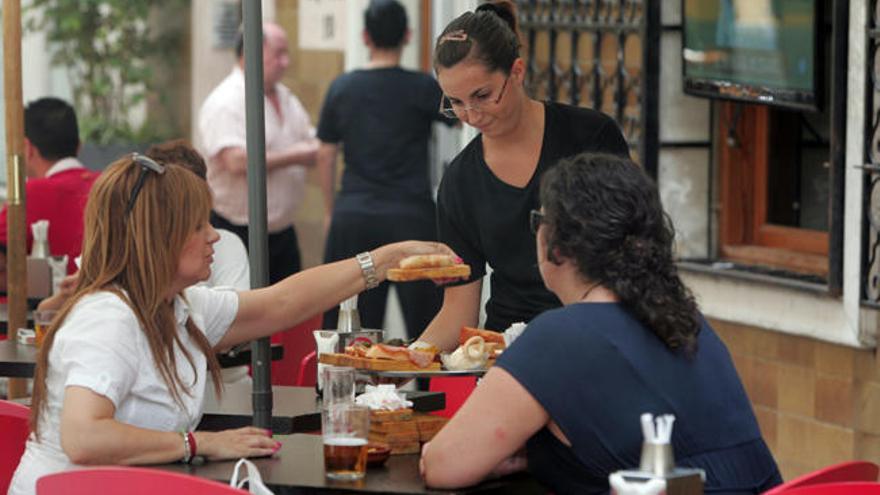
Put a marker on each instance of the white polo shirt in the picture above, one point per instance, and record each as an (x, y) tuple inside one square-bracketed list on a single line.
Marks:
[(101, 347), (222, 125)]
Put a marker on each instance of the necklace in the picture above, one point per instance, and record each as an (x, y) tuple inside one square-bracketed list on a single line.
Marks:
[(590, 289)]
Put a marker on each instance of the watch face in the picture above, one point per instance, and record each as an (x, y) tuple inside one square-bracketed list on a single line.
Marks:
[(874, 206)]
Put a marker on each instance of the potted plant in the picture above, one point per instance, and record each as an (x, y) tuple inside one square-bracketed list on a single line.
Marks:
[(121, 57)]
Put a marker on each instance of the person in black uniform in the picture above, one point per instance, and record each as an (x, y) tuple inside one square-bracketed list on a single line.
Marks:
[(489, 188), (381, 116)]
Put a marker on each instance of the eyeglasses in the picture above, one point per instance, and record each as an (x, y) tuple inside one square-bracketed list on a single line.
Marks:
[(536, 218), (451, 110), (147, 165)]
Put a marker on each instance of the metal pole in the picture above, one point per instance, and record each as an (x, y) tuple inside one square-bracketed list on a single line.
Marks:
[(16, 263), (256, 174)]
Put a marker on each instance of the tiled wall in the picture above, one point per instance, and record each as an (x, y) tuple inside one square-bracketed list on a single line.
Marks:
[(816, 403)]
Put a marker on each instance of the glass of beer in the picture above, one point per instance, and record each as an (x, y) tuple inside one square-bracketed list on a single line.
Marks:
[(345, 429), (42, 320)]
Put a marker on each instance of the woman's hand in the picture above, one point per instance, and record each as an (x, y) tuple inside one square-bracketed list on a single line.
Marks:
[(390, 255), (233, 444)]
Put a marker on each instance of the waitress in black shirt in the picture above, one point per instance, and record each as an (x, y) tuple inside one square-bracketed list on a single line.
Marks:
[(489, 188)]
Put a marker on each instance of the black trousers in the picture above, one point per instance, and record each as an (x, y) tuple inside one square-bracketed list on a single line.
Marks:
[(352, 233), (284, 258)]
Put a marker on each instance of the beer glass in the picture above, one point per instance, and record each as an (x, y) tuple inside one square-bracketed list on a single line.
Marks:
[(345, 429), (42, 320), (338, 385)]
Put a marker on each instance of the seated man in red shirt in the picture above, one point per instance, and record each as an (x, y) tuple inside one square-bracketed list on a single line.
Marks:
[(58, 184)]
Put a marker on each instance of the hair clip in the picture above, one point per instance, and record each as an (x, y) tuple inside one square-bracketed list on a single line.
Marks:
[(457, 35)]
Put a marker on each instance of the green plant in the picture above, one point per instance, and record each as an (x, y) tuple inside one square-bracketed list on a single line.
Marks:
[(120, 55)]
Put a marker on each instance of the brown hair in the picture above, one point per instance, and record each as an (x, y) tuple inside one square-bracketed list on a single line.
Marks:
[(487, 35), (180, 152), (122, 254)]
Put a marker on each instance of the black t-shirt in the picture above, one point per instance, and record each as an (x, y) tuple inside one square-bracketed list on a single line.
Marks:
[(382, 117), (485, 220)]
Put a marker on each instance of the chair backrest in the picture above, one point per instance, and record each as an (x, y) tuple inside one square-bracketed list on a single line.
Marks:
[(307, 375), (843, 472), (457, 390), (840, 488), (122, 480), (297, 343), (14, 431)]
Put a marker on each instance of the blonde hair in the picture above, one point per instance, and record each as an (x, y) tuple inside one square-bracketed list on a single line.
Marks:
[(136, 257)]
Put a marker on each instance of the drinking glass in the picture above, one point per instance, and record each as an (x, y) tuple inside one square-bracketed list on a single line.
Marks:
[(42, 320), (338, 385), (345, 430)]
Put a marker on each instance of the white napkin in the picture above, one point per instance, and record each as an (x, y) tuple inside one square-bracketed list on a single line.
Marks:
[(513, 332), (383, 397)]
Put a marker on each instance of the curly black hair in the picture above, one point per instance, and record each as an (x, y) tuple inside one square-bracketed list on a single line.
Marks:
[(603, 213)]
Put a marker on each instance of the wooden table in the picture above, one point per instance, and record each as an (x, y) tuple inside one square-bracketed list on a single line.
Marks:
[(299, 468), (294, 409), (19, 360)]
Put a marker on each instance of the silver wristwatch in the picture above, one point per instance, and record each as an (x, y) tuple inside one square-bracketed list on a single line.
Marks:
[(365, 259)]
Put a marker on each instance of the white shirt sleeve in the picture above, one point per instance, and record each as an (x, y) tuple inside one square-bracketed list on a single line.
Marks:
[(212, 310), (98, 347)]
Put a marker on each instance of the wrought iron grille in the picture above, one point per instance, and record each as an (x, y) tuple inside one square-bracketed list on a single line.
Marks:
[(602, 54), (871, 216)]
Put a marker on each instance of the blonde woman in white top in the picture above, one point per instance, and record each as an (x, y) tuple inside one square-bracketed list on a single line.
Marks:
[(121, 374)]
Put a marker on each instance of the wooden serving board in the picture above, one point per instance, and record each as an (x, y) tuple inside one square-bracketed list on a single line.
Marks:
[(373, 364)]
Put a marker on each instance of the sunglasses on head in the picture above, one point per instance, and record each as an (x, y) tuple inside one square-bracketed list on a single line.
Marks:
[(147, 165)]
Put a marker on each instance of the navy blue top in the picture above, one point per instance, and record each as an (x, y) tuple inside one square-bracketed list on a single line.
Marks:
[(486, 220), (595, 369), (382, 117)]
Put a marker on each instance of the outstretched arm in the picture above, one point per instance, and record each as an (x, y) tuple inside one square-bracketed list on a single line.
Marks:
[(262, 312)]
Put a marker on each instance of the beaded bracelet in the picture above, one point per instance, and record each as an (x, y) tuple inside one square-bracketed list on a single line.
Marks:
[(187, 450)]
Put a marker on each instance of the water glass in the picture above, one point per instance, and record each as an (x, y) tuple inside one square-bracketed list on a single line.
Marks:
[(339, 383)]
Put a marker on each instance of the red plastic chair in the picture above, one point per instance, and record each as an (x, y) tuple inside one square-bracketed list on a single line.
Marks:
[(308, 371), (14, 431), (120, 480), (457, 390), (837, 473), (297, 343), (842, 488)]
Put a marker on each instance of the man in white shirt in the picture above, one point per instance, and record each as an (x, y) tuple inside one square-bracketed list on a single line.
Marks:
[(290, 148)]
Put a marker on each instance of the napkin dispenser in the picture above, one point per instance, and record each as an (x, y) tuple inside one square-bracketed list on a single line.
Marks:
[(657, 474)]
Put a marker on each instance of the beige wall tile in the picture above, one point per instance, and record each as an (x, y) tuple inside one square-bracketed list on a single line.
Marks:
[(734, 336), (867, 447), (834, 400), (835, 359), (764, 383), (867, 365), (791, 438), (867, 413), (799, 351), (829, 444), (766, 344), (796, 392)]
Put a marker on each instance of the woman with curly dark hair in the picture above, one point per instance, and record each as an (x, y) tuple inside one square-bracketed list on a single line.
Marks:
[(628, 340)]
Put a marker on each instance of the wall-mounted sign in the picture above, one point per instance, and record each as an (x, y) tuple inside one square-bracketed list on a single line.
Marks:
[(322, 24)]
